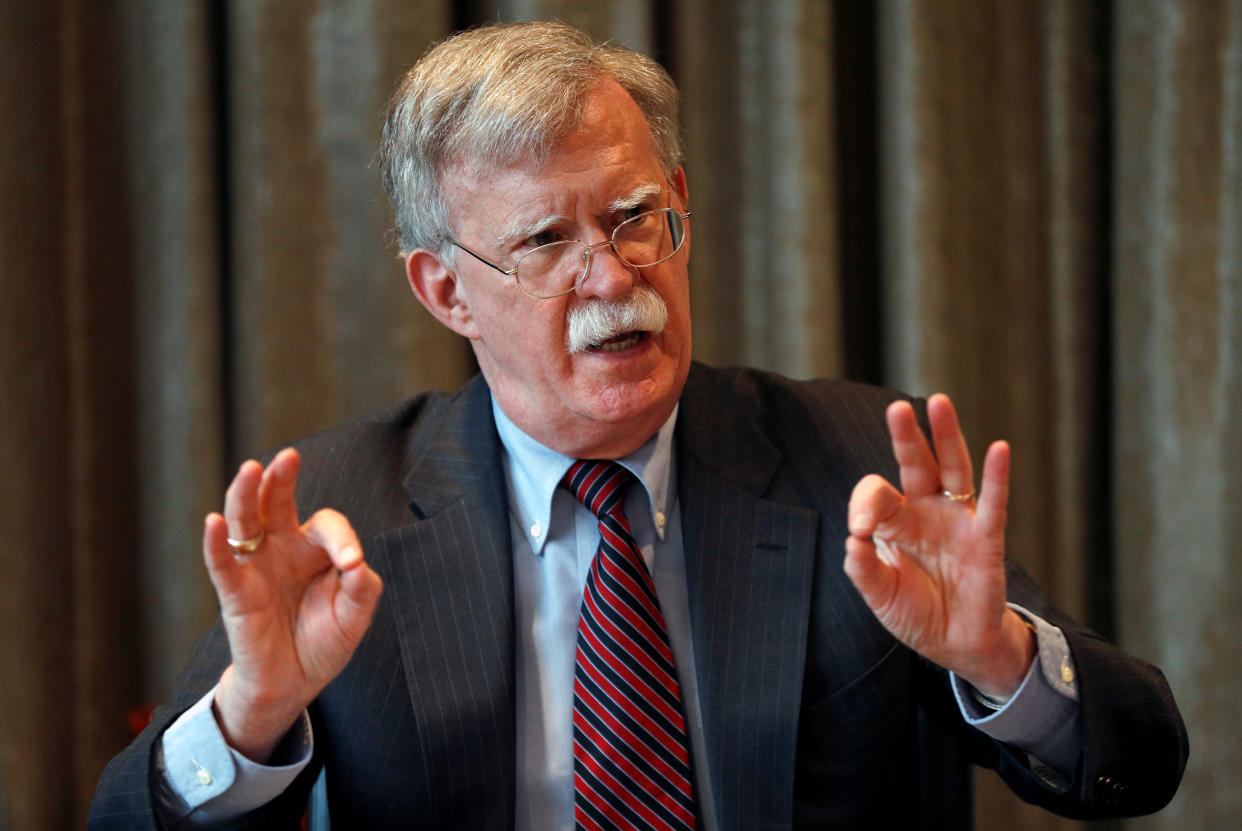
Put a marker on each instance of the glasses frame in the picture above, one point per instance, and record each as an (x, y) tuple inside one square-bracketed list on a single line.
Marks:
[(611, 242)]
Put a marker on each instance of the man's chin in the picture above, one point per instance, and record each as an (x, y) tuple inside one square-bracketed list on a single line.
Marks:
[(630, 393)]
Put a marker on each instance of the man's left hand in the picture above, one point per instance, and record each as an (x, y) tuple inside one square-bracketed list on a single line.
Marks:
[(929, 559)]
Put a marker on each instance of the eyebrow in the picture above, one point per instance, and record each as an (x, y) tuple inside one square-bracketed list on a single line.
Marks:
[(635, 197), (532, 227)]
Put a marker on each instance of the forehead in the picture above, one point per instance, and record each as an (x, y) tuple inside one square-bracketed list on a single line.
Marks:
[(610, 156)]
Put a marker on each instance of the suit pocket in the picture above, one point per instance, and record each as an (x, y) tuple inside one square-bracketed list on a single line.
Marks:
[(857, 747), (884, 685)]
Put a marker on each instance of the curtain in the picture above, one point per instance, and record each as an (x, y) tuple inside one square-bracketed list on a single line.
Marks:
[(1177, 378), (1035, 207)]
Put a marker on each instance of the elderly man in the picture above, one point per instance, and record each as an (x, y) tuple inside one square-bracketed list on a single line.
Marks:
[(613, 592)]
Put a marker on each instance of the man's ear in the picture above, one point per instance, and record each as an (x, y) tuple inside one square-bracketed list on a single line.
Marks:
[(436, 286), (678, 180)]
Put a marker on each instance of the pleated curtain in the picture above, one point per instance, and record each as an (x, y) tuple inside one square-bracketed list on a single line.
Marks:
[(1033, 206)]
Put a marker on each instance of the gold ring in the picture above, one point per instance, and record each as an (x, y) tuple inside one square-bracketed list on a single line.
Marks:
[(246, 546), (968, 496)]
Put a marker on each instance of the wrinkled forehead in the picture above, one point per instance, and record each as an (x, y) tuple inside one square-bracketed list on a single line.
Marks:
[(473, 172), (517, 146), (472, 187), (471, 160), (610, 161), (514, 202)]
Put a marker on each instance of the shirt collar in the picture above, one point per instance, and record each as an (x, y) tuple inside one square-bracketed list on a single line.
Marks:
[(534, 472)]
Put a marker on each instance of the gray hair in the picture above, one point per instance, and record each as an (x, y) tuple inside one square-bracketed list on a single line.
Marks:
[(497, 95)]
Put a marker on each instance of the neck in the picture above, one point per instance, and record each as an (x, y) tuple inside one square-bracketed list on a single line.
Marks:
[(581, 438)]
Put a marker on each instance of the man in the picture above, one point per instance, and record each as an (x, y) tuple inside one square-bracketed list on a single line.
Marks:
[(719, 670)]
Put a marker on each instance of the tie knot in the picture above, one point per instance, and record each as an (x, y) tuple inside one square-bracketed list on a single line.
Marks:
[(599, 484)]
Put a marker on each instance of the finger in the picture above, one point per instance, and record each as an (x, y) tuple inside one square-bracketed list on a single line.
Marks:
[(994, 489), (873, 501), (277, 507), (241, 502), (875, 580), (956, 472), (919, 476), (222, 567)]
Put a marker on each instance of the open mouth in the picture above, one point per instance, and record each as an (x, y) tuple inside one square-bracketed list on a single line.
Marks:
[(618, 343)]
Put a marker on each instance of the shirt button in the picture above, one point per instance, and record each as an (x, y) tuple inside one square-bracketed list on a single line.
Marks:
[(204, 778), (659, 519), (535, 529)]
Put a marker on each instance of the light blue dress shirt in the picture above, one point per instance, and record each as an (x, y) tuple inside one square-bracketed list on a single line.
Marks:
[(554, 540)]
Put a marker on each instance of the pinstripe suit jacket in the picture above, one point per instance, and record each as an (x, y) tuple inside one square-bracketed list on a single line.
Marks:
[(810, 709)]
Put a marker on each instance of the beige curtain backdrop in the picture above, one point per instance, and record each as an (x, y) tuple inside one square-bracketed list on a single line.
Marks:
[(991, 232), (1034, 206), (1177, 385)]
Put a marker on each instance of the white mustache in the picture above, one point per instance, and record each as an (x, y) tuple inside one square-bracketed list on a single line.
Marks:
[(598, 320)]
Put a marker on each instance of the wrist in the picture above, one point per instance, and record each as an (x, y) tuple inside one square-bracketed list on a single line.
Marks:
[(1003, 675), (252, 724)]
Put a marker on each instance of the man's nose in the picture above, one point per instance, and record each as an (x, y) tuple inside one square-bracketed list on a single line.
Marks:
[(605, 274)]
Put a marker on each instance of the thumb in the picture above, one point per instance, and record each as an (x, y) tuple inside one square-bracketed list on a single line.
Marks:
[(875, 579), (355, 603)]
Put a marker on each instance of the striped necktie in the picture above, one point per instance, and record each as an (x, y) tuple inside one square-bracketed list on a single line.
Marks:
[(631, 758)]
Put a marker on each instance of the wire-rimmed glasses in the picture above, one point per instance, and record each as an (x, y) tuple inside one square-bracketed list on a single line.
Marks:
[(557, 268)]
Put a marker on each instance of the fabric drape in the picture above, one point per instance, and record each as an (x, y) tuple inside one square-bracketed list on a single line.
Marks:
[(1035, 207)]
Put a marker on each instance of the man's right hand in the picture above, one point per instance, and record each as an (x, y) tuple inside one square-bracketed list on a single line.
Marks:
[(294, 610)]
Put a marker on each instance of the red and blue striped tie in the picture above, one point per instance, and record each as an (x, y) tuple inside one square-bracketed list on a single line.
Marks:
[(631, 759)]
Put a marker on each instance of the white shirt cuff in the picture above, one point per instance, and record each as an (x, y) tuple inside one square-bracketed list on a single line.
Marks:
[(215, 782)]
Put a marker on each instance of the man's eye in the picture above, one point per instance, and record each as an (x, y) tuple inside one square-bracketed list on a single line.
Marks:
[(542, 238), (636, 218)]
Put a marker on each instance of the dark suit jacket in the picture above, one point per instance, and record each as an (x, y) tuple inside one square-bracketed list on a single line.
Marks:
[(810, 709)]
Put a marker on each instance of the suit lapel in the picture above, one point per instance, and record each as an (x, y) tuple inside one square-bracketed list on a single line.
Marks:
[(748, 570), (451, 592)]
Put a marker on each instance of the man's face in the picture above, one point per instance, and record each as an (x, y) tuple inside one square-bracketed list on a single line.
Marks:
[(601, 402)]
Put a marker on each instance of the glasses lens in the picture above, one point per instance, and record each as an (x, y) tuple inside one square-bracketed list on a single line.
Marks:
[(551, 269), (651, 237)]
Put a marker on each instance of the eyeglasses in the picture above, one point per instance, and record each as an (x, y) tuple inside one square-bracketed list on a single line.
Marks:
[(558, 268)]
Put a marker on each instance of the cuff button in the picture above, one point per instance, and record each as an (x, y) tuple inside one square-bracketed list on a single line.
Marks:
[(203, 775)]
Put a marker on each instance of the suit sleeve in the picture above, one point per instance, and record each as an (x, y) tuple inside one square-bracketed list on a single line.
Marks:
[(130, 786), (1133, 742), (1134, 745)]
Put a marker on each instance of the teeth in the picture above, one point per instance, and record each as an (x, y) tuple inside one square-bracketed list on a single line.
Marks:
[(617, 346)]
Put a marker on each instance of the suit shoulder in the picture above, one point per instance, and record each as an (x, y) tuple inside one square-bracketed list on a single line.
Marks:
[(393, 427), (381, 446), (824, 430), (772, 394)]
